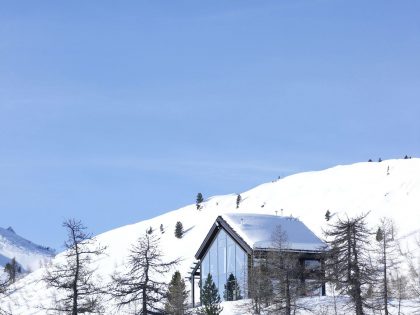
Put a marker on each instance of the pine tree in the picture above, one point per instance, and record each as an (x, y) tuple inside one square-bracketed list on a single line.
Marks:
[(199, 200), (210, 298), (232, 290), (179, 230), (177, 296), (328, 215), (12, 269), (238, 200)]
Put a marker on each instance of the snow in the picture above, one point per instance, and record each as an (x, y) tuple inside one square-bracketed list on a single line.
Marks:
[(258, 230), (344, 190), (28, 255)]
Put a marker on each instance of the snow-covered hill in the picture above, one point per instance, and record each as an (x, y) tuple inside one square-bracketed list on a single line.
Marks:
[(387, 189), (28, 255)]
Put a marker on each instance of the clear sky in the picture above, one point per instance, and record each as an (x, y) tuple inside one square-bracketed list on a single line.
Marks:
[(117, 111)]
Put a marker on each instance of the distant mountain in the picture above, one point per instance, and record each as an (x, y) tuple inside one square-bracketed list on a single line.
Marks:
[(28, 255), (390, 188)]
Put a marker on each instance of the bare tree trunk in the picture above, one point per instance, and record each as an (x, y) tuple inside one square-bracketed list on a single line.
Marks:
[(76, 274), (287, 295), (385, 276)]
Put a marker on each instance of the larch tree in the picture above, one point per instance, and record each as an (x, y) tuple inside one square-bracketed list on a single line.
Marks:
[(260, 285), (141, 280), (387, 252), (413, 260), (73, 277), (4, 286), (285, 271), (349, 240)]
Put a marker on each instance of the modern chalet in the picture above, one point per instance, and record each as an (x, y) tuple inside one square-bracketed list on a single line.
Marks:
[(236, 240)]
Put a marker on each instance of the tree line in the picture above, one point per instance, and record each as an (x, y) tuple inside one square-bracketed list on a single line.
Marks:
[(362, 263)]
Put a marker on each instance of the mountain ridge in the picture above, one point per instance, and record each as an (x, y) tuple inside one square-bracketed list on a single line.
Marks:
[(390, 188)]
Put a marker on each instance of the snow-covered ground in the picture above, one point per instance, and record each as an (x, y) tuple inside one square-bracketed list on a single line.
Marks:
[(387, 189), (28, 255), (323, 306)]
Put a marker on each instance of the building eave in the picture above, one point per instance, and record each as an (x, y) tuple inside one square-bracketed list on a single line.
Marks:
[(218, 224)]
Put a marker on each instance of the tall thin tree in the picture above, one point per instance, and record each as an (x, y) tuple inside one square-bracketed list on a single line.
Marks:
[(73, 276), (177, 296), (387, 250), (349, 240), (141, 280)]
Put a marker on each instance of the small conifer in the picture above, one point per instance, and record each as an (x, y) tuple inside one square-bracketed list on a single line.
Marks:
[(179, 230), (238, 200), (328, 215), (199, 200), (177, 296), (232, 291), (210, 298)]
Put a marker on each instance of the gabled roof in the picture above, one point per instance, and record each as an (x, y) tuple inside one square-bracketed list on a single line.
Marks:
[(255, 231)]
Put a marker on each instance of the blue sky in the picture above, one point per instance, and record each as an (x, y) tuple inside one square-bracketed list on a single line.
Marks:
[(117, 111)]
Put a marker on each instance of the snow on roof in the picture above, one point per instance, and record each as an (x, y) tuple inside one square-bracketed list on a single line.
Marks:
[(257, 231)]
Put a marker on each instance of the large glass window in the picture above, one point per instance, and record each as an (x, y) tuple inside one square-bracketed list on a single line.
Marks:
[(227, 263), (312, 265), (205, 268), (213, 262), (221, 245), (240, 267), (230, 256)]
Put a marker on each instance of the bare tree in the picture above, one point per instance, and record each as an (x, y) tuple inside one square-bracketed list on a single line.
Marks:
[(260, 284), (387, 251), (398, 286), (140, 282), (286, 273), (74, 278), (350, 259), (3, 292), (413, 259)]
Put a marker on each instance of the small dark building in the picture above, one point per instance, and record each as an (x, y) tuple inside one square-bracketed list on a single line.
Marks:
[(237, 240)]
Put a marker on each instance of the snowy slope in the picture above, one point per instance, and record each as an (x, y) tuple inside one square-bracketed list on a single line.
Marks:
[(28, 255), (350, 189)]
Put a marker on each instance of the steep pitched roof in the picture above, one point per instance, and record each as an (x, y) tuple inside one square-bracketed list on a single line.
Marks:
[(255, 231)]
